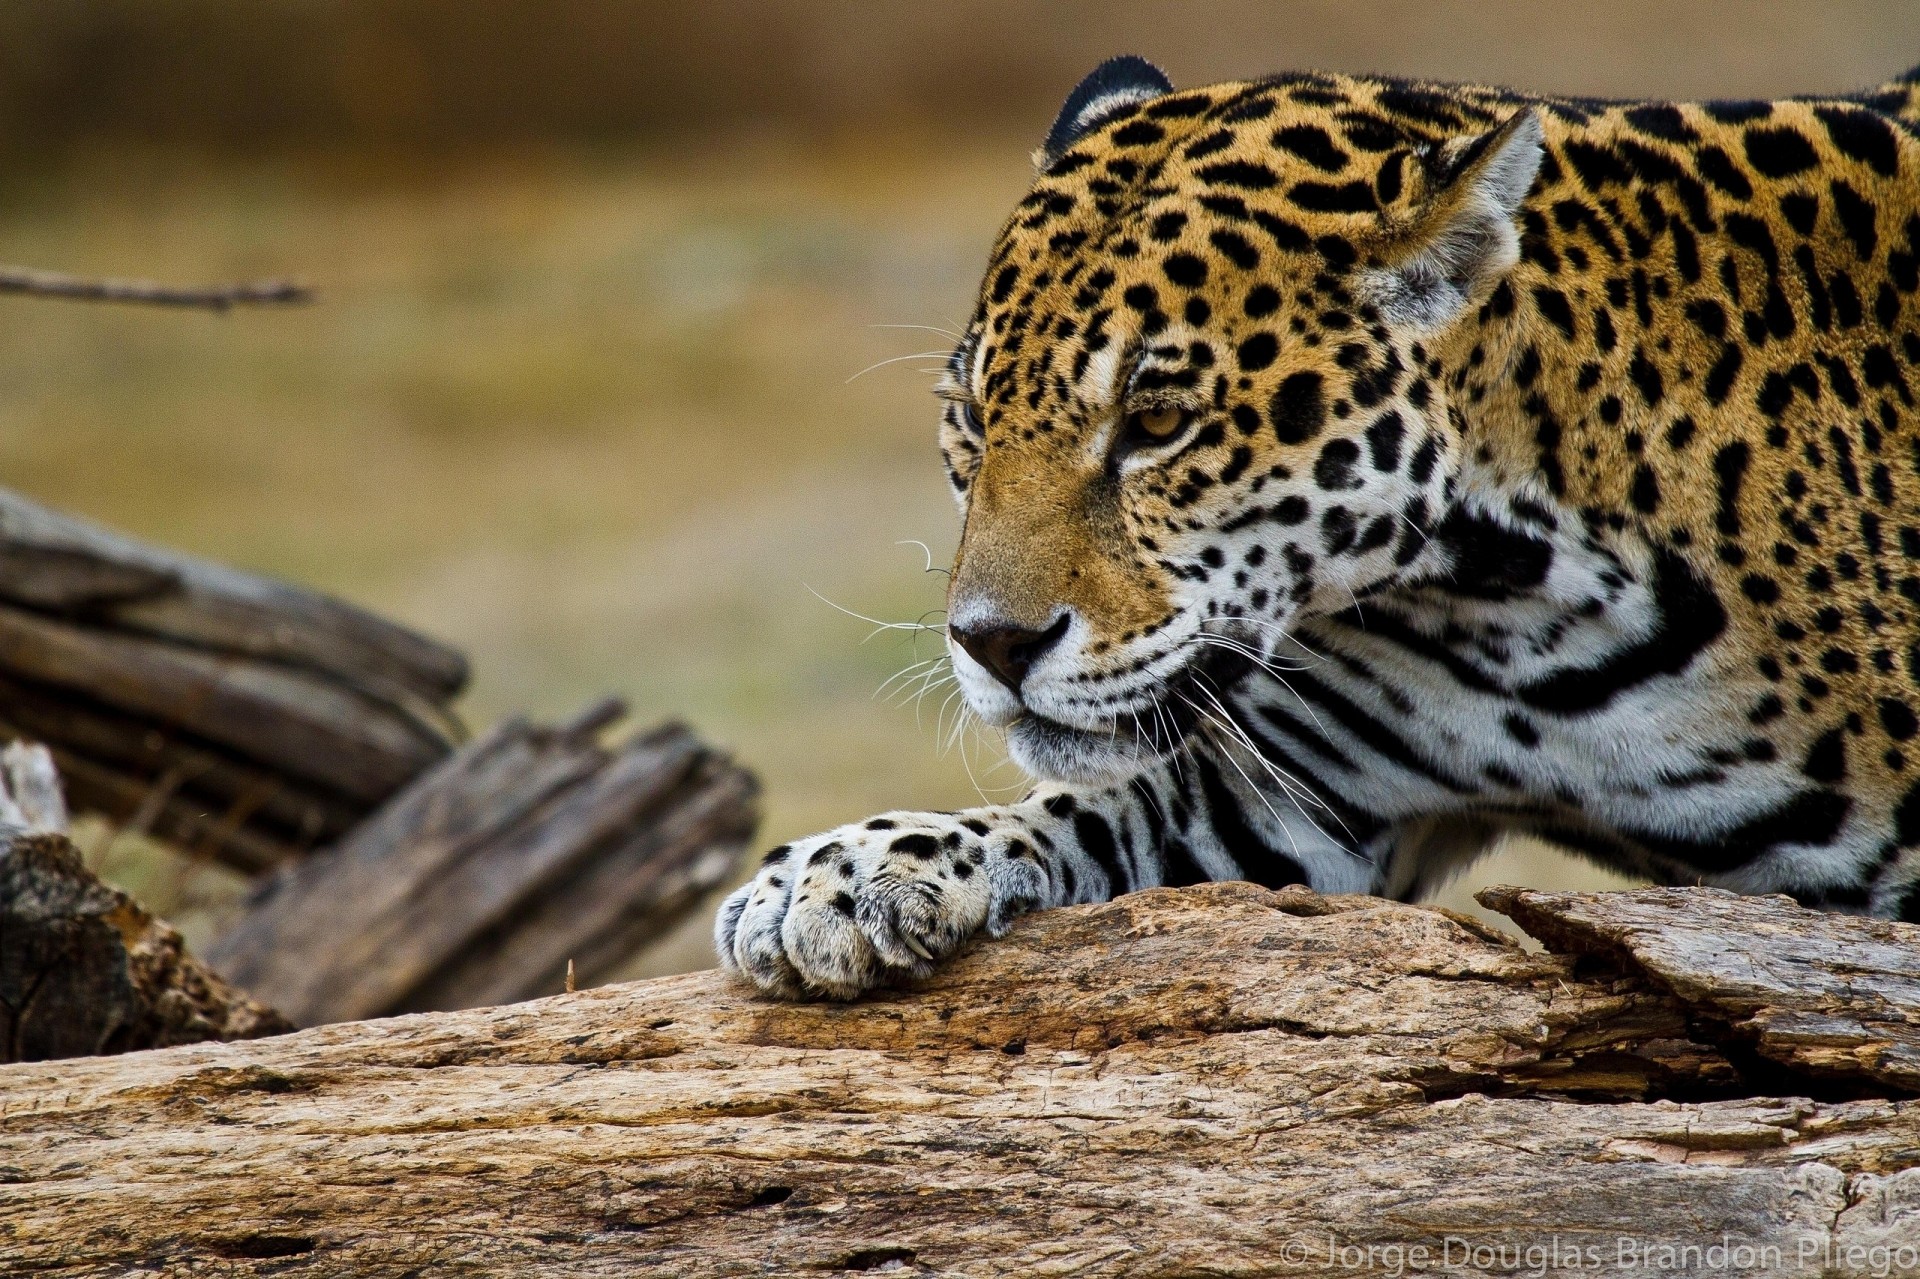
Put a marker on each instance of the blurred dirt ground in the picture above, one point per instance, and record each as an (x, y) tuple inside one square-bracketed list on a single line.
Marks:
[(619, 409)]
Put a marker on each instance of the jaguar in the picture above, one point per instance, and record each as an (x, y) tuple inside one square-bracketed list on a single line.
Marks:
[(1351, 466)]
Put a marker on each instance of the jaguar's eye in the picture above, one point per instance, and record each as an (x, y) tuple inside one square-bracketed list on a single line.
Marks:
[(1156, 425), (971, 419)]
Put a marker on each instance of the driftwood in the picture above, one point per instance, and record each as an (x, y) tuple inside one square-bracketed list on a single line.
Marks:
[(1219, 1080), (83, 969), (525, 850), (246, 719)]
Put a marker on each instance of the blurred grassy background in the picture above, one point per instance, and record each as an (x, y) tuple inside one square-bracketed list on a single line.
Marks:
[(590, 391)]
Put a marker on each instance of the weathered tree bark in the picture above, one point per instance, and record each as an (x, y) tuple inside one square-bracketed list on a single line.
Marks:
[(1219, 1080), (248, 719), (83, 969), (477, 884), (1827, 996)]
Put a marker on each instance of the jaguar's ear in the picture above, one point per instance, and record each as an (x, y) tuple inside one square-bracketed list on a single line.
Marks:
[(1460, 238), (1109, 89)]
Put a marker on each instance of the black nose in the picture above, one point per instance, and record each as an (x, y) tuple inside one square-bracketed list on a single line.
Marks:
[(1008, 651)]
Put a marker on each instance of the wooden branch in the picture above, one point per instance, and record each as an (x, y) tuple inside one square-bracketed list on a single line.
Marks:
[(252, 717), (223, 297), (477, 884), (83, 969), (1219, 1080)]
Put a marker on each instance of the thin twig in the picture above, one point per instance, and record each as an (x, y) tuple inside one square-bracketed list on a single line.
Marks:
[(54, 284)]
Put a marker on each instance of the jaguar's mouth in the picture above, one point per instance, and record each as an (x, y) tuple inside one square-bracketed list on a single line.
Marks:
[(1134, 739)]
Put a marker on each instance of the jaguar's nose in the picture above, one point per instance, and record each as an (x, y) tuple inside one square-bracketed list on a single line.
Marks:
[(1009, 652)]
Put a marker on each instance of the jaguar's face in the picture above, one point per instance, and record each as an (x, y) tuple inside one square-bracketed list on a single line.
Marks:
[(1179, 421), (1156, 486)]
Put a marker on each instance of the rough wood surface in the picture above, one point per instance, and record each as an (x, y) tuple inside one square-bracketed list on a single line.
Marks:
[(1219, 1080), (83, 969), (477, 884), (1825, 995), (55, 563), (247, 718)]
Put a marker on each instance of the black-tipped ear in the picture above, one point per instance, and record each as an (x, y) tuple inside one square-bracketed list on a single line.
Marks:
[(1109, 89), (1463, 239)]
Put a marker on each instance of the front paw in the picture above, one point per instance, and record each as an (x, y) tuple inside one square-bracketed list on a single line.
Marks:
[(848, 910)]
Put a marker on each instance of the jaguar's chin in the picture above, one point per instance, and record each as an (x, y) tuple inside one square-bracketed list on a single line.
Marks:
[(1136, 740), (1056, 752)]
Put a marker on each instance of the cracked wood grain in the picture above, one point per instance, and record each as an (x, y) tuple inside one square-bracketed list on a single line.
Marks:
[(1835, 997)]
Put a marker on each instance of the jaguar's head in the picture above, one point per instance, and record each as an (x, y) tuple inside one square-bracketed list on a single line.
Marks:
[(1201, 395)]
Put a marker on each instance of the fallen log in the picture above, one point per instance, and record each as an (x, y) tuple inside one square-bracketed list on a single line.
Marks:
[(83, 969), (249, 719), (1220, 1080), (528, 848)]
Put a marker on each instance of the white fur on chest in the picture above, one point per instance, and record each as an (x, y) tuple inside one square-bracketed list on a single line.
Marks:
[(1423, 694)]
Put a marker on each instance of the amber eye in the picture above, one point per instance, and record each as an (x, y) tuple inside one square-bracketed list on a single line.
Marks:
[(1156, 425), (971, 419)]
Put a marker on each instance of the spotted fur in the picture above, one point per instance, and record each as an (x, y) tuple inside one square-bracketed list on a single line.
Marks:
[(1346, 459)]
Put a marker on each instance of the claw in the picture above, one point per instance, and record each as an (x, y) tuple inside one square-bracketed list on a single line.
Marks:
[(914, 945)]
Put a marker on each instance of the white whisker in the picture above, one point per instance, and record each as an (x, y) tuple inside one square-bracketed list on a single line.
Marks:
[(924, 549), (1203, 639), (1166, 730), (1305, 705), (940, 720), (1227, 754), (1309, 649), (1140, 787), (1293, 786), (1272, 628), (905, 673), (876, 623), (1355, 601), (917, 355), (925, 328), (973, 725), (919, 698), (928, 681)]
